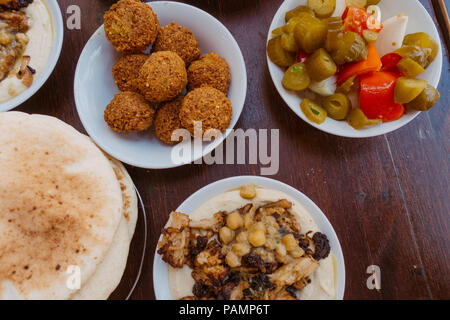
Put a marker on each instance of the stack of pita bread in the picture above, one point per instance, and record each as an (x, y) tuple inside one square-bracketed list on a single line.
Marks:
[(66, 211)]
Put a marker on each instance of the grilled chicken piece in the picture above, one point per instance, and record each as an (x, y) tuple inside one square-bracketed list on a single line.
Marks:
[(293, 272), (238, 291), (214, 223), (174, 247), (14, 21)]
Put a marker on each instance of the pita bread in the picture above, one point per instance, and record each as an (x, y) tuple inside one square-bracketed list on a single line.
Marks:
[(109, 273), (60, 205)]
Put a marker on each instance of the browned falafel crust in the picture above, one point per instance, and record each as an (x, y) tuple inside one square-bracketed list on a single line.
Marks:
[(131, 26), (206, 105), (162, 77), (178, 39), (126, 71), (129, 112), (212, 71), (167, 120)]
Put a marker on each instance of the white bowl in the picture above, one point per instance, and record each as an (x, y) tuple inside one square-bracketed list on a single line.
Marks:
[(94, 87), (419, 21), (160, 268), (58, 35)]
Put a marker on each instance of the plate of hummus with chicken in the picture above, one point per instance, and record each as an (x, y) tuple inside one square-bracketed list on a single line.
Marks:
[(31, 36), (248, 238)]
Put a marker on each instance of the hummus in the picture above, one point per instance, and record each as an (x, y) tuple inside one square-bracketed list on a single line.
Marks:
[(323, 280), (39, 47)]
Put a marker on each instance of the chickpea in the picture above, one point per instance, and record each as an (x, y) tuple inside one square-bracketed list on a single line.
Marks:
[(242, 237), (297, 252), (241, 249), (289, 242), (257, 238), (258, 226), (248, 191), (232, 260), (235, 221), (226, 235)]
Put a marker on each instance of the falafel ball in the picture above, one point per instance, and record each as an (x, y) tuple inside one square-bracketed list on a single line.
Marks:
[(178, 39), (212, 71), (206, 105), (167, 120), (131, 26), (128, 112), (126, 71), (162, 77)]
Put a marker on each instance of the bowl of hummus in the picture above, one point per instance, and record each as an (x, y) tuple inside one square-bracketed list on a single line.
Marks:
[(248, 238), (31, 37)]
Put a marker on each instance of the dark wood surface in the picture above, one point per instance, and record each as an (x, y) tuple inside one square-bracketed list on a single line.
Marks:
[(387, 197)]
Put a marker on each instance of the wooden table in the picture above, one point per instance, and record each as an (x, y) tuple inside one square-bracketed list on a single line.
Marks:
[(387, 197)]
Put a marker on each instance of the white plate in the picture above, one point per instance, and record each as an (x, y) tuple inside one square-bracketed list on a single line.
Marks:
[(58, 35), (419, 21), (160, 269), (94, 86)]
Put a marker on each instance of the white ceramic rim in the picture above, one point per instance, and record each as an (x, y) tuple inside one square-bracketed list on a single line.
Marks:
[(160, 268), (354, 133), (58, 37), (206, 149)]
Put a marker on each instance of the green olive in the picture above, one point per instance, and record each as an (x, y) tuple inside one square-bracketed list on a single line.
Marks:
[(294, 12), (407, 89), (310, 33), (426, 100), (337, 106), (358, 120), (410, 68), (278, 55), (423, 40), (418, 54), (347, 86), (322, 8), (352, 48), (335, 27), (313, 111), (320, 65), (296, 78)]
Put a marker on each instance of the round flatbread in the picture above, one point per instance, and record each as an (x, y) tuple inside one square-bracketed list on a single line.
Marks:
[(60, 207), (109, 273)]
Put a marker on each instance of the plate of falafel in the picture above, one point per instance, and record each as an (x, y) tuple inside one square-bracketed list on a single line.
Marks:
[(157, 77)]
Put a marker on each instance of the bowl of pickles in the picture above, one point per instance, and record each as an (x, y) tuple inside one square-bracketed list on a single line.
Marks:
[(355, 68)]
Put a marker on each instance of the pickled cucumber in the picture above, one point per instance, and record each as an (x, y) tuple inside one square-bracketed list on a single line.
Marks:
[(322, 8), (278, 55), (410, 68), (310, 33), (335, 27), (313, 111), (320, 65), (423, 40), (352, 48), (358, 120), (425, 101), (407, 89), (418, 54), (296, 78), (337, 106), (294, 12)]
